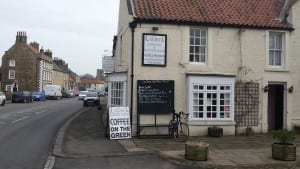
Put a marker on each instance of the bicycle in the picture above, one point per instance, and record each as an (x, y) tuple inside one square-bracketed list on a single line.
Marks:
[(177, 128)]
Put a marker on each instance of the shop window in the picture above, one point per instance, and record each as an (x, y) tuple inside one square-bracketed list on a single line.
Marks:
[(211, 101)]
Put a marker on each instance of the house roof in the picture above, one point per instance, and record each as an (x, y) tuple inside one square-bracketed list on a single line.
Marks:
[(241, 13), (34, 50)]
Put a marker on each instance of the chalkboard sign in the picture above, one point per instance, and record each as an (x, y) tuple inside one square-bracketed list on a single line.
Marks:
[(155, 96)]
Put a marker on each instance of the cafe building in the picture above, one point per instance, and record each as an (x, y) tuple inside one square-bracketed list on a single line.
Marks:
[(230, 64)]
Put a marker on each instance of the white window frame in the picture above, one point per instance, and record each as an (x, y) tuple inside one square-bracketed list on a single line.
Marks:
[(219, 86), (117, 93), (117, 79), (11, 75), (276, 48), (8, 87), (12, 63), (198, 43)]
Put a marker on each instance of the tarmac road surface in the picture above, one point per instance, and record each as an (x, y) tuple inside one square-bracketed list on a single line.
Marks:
[(27, 131)]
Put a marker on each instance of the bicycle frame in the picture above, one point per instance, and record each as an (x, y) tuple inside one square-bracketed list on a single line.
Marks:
[(175, 122)]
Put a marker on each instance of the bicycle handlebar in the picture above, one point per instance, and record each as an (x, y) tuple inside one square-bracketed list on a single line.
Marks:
[(180, 113)]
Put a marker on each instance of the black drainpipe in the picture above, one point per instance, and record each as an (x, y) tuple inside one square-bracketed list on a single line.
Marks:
[(132, 25)]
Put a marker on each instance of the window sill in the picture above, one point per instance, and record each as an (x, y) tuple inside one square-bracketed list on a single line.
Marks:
[(276, 70), (211, 122)]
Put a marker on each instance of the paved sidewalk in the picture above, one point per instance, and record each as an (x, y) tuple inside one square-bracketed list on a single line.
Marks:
[(82, 139)]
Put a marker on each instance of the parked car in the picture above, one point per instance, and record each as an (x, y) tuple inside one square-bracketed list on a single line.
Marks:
[(77, 92), (2, 98), (82, 94), (65, 94), (71, 93), (22, 96), (38, 96), (91, 98)]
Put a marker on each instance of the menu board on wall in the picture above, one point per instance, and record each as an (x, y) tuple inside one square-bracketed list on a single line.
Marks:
[(154, 50), (155, 96)]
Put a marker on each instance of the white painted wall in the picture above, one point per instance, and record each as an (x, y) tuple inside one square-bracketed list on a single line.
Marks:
[(231, 51)]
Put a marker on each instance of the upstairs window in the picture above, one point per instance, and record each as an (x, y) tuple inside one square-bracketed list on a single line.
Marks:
[(11, 74), (276, 50), (12, 63), (198, 45)]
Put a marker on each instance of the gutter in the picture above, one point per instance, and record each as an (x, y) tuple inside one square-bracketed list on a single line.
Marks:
[(132, 25)]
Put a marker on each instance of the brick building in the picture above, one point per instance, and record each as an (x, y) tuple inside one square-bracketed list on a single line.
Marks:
[(25, 66)]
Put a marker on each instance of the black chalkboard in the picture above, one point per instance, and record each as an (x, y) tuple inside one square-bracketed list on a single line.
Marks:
[(155, 96)]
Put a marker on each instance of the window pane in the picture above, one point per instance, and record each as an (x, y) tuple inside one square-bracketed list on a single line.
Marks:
[(203, 41), (197, 49), (197, 33), (277, 58), (278, 41), (271, 41), (271, 57), (192, 42)]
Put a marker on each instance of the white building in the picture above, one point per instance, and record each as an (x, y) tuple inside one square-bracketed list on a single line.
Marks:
[(229, 68)]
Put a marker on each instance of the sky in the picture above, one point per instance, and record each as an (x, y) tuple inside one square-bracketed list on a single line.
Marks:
[(78, 31)]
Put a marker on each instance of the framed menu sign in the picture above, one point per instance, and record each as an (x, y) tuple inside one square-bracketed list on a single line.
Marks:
[(154, 50)]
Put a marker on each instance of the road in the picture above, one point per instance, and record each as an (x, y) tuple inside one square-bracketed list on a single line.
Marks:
[(27, 131)]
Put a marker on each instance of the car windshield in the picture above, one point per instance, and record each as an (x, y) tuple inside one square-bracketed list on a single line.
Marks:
[(36, 93)]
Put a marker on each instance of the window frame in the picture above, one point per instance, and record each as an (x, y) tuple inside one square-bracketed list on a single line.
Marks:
[(8, 87), (12, 63), (117, 93), (10, 76), (222, 86), (198, 45), (275, 49)]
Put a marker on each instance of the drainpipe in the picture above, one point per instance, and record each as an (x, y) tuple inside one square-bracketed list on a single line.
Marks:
[(284, 10), (132, 25)]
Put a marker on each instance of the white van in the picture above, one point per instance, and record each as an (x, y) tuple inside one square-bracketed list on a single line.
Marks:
[(53, 91)]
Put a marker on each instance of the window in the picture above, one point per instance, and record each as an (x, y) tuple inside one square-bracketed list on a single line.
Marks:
[(198, 45), (276, 53), (211, 98), (8, 88), (11, 74), (117, 93), (12, 63)]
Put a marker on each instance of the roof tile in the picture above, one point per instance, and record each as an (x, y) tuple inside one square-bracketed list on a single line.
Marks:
[(253, 13)]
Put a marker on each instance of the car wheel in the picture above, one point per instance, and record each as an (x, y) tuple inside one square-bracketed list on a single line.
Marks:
[(3, 103)]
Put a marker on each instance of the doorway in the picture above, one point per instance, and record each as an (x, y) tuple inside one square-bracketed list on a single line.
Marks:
[(276, 106)]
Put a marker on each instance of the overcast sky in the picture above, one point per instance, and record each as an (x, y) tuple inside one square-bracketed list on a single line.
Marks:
[(76, 31)]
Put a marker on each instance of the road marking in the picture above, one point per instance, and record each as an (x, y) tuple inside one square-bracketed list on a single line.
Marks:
[(25, 117), (50, 162)]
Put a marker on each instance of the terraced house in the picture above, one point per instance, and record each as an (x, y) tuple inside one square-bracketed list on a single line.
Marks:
[(26, 66), (228, 63)]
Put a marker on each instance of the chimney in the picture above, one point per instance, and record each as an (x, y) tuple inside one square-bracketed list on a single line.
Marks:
[(35, 45), (21, 38), (42, 50), (48, 53)]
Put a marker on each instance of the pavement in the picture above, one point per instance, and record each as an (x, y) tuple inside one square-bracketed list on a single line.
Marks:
[(82, 139)]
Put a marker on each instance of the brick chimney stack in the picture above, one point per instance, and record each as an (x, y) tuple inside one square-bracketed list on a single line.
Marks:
[(48, 52), (21, 38), (35, 45)]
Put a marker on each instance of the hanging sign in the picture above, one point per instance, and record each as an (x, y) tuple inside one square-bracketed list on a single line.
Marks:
[(154, 49), (119, 123)]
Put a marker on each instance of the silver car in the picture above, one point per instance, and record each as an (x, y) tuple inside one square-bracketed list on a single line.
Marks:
[(2, 98)]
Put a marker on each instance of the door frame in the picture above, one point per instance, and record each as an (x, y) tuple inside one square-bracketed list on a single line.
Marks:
[(284, 122)]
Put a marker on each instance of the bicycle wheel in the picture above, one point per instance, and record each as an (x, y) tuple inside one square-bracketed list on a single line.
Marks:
[(173, 129), (184, 132)]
